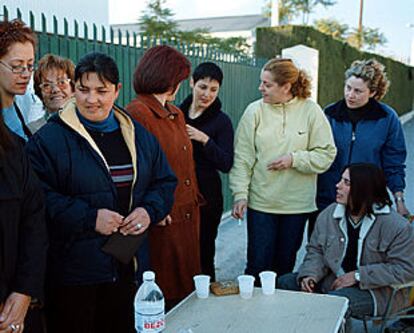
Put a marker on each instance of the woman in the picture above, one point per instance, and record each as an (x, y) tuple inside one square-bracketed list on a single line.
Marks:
[(359, 247), (212, 134), (105, 182), (23, 240), (17, 45), (365, 130), (54, 82), (282, 142), (174, 243)]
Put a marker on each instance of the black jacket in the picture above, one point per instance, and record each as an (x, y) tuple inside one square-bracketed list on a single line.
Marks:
[(23, 238), (217, 155), (77, 183)]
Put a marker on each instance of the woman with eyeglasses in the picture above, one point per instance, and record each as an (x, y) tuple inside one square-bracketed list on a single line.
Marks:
[(53, 82), (17, 46), (282, 142)]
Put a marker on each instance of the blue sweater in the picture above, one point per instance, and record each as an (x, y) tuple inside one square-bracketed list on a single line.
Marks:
[(376, 138)]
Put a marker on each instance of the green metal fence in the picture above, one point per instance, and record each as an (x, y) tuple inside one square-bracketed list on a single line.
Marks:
[(241, 73)]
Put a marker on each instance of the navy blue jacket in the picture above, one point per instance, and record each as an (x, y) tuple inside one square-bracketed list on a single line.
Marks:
[(77, 183), (217, 154), (378, 138)]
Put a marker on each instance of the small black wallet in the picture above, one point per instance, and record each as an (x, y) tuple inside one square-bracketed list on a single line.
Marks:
[(123, 247)]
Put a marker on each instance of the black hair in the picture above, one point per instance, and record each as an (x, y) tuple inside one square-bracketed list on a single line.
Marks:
[(368, 187), (208, 70), (95, 62)]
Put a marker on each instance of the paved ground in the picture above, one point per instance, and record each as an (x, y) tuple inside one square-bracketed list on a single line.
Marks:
[(232, 239)]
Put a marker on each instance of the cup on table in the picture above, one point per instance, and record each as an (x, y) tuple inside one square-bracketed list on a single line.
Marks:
[(268, 282), (246, 285), (202, 285)]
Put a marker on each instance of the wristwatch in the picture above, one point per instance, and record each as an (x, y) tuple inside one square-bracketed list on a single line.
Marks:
[(357, 276)]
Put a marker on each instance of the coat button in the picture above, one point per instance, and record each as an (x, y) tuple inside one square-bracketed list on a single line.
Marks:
[(187, 216), (342, 239), (184, 147), (187, 182), (171, 116)]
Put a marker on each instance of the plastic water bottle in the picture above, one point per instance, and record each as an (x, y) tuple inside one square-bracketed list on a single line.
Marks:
[(149, 306)]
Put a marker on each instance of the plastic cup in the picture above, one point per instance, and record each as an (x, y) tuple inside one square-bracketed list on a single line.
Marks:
[(246, 285), (202, 285), (268, 282)]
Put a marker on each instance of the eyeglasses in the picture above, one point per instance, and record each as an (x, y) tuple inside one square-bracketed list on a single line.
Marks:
[(19, 69), (47, 87)]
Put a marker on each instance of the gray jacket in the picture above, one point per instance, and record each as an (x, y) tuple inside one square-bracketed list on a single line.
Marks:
[(385, 253)]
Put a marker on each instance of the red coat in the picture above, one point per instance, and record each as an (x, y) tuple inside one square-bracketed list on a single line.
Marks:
[(174, 249)]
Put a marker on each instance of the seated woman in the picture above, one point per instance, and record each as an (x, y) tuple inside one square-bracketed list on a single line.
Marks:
[(54, 82), (359, 247), (211, 133), (106, 180)]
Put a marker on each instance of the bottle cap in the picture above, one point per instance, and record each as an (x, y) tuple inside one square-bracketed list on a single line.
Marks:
[(148, 275)]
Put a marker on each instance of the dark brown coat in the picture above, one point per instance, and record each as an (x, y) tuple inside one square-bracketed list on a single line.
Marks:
[(174, 249)]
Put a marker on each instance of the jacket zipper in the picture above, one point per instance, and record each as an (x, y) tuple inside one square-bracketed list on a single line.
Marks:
[(284, 120), (353, 138)]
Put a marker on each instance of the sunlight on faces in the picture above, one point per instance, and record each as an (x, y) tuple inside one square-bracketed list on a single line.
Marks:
[(272, 92), (356, 92), (11, 84), (205, 92), (57, 89), (343, 188)]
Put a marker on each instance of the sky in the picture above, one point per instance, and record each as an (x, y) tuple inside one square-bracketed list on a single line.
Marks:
[(390, 16)]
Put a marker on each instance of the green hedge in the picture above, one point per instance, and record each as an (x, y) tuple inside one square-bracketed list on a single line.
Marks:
[(335, 58)]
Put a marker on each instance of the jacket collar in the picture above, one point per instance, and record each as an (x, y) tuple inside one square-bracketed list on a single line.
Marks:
[(208, 113), (70, 118), (340, 211), (294, 100), (156, 107), (339, 111)]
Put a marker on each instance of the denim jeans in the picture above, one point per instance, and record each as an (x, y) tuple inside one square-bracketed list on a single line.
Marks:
[(273, 240), (360, 301)]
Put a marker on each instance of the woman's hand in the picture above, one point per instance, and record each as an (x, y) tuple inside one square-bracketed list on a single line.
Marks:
[(197, 135), (136, 222), (108, 221), (239, 208), (308, 284), (13, 313), (344, 281), (281, 163), (166, 221)]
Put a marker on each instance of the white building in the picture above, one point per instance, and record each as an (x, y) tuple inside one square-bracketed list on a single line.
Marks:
[(222, 27), (91, 12)]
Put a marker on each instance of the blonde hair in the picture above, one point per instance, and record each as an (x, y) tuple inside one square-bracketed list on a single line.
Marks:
[(284, 71), (372, 73)]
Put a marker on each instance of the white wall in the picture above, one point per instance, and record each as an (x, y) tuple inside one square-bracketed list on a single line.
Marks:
[(89, 11)]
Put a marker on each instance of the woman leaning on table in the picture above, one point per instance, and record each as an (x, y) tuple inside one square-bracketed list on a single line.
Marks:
[(282, 142), (174, 242), (365, 130), (106, 180)]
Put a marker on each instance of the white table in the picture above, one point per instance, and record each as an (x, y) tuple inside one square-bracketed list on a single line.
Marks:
[(284, 312)]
